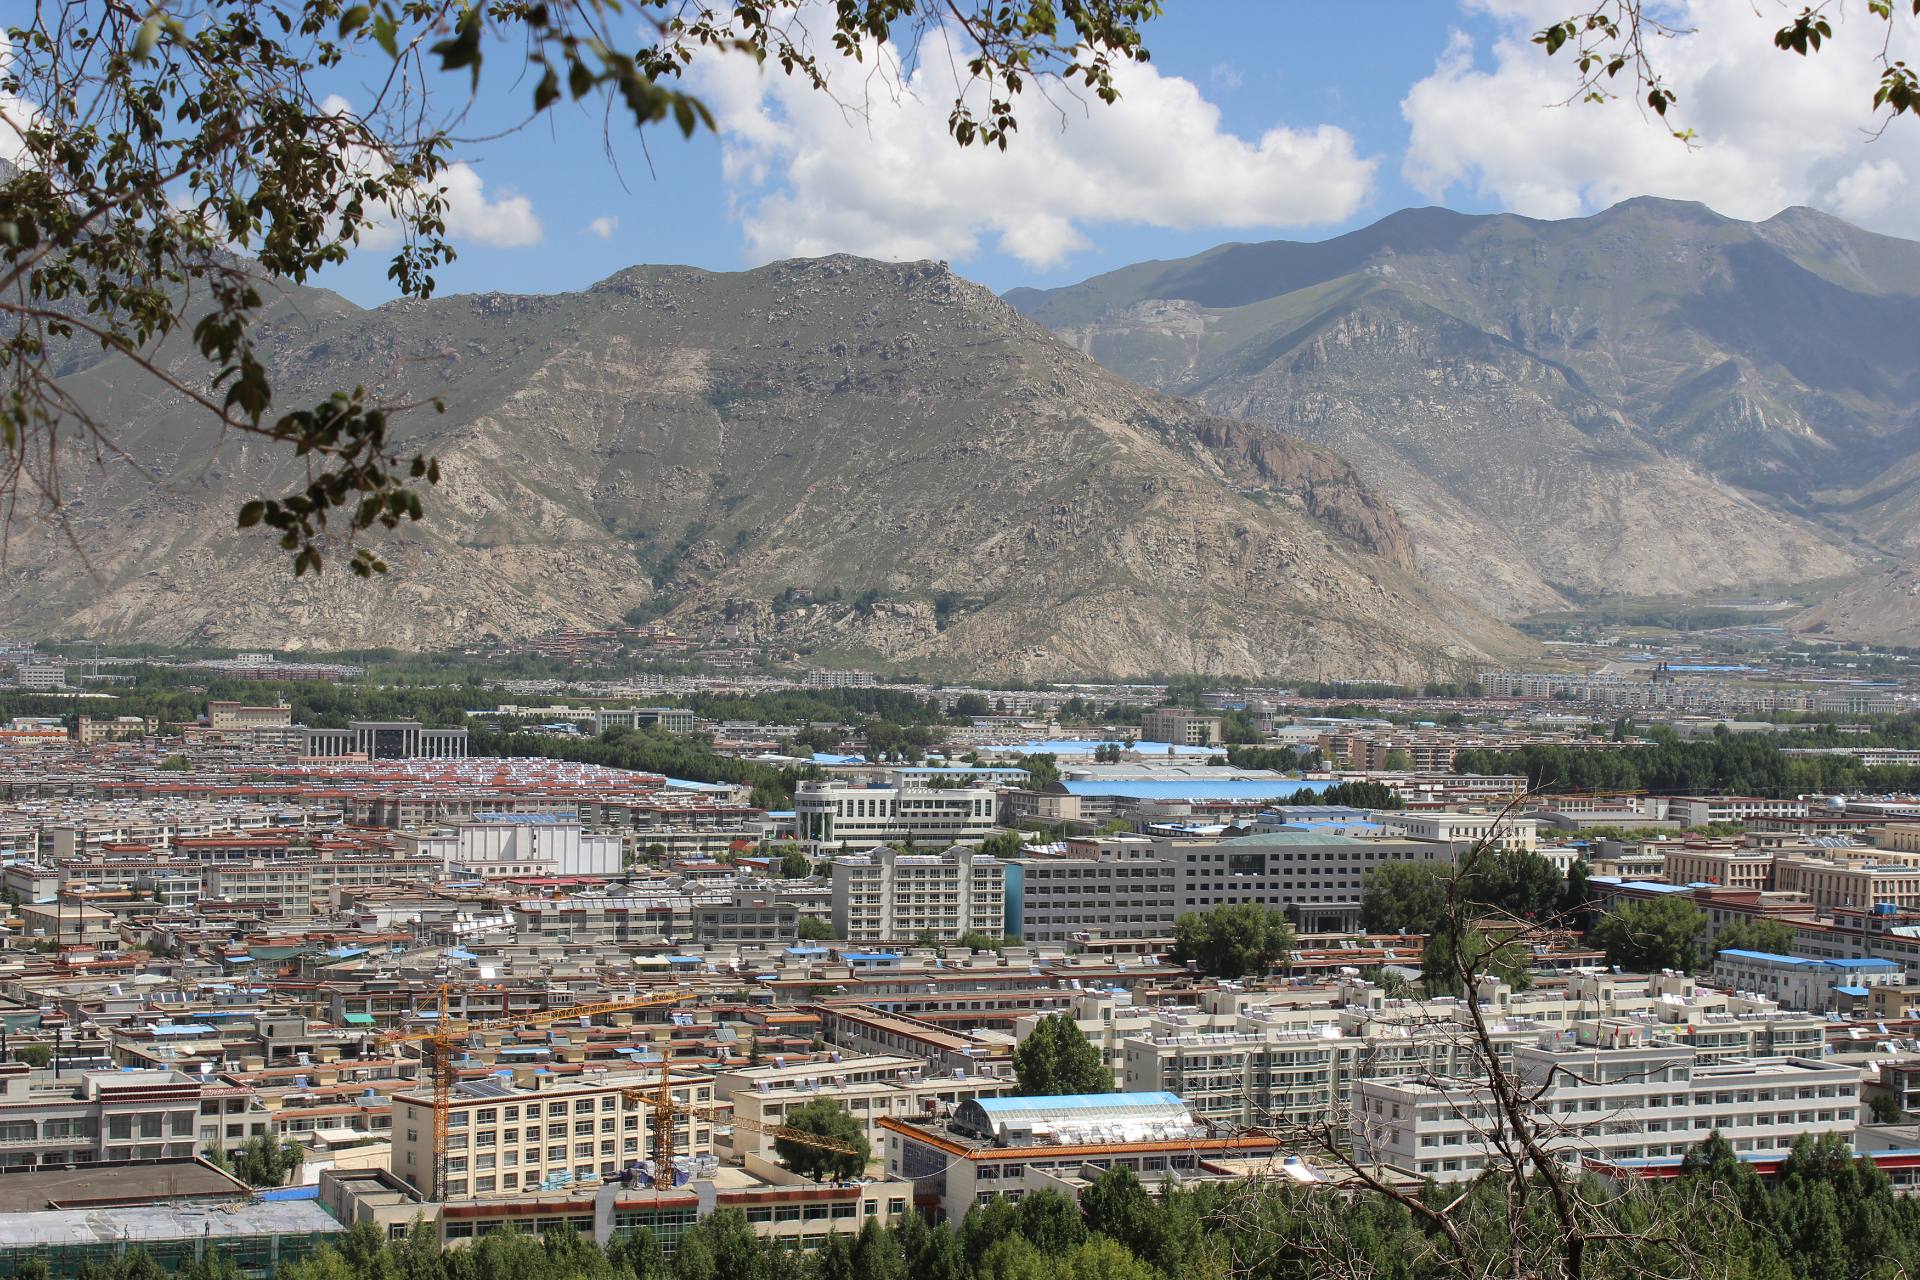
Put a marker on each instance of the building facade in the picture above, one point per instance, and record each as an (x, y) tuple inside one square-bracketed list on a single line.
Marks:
[(884, 895)]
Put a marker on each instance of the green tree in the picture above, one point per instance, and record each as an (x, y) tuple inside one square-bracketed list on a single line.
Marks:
[(794, 864), (1398, 760), (1056, 1058), (1885, 1109), (974, 940), (1518, 883), (261, 1161), (1772, 936), (1660, 933), (1004, 844), (1481, 955), (823, 1118), (34, 1055), (1234, 940), (816, 929), (1403, 897)]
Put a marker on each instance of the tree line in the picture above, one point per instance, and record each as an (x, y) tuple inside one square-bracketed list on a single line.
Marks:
[(1827, 1216), (1730, 764)]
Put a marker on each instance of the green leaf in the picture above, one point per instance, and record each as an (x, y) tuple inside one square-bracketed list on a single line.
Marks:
[(251, 513), (149, 31), (351, 20)]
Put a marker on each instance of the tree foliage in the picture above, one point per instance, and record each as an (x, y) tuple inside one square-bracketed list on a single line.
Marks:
[(1774, 937), (1660, 933), (1234, 940), (1056, 1058), (823, 1118)]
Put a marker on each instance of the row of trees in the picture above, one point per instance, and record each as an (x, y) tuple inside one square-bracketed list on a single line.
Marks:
[(1727, 764), (650, 751), (1827, 1216)]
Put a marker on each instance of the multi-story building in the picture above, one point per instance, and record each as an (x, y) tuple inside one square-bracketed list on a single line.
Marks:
[(90, 1117), (746, 915), (387, 740), (88, 730), (235, 717), (1112, 886), (1862, 882), (1463, 830), (869, 1087), (505, 1140), (993, 1147), (1634, 1098), (41, 675), (884, 895), (1180, 727), (901, 809), (1317, 874), (1734, 867), (1803, 982), (1699, 811)]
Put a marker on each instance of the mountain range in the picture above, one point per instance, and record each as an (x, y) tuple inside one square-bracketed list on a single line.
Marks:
[(1652, 401), (836, 455), (1362, 457)]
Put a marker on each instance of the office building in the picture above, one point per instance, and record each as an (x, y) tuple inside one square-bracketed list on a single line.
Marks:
[(1180, 727), (1110, 887), (1317, 874), (903, 809), (387, 740)]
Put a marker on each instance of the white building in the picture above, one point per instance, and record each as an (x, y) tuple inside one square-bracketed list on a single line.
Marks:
[(884, 895), (859, 815), (1463, 830), (1804, 982), (1646, 1098)]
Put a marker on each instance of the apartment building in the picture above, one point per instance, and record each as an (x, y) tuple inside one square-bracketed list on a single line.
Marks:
[(1179, 726), (1113, 887), (1317, 873), (858, 814), (277, 889), (1639, 1098), (884, 895), (746, 916), (504, 1140)]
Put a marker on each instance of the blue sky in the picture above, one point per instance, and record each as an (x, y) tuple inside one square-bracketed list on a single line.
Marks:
[(1390, 103)]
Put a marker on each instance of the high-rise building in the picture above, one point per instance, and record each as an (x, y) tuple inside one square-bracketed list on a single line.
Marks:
[(884, 895)]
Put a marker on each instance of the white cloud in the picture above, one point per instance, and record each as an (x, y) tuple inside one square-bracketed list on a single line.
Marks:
[(1774, 129), (17, 115), (809, 176), (507, 221), (603, 226)]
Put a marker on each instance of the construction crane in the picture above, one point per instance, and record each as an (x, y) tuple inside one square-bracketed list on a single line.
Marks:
[(438, 1045), (663, 1112)]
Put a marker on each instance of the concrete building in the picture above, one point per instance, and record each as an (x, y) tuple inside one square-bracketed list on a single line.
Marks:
[(387, 740), (1738, 867), (88, 730), (1699, 811), (884, 895), (493, 845), (1179, 726), (1802, 982), (503, 1140), (1463, 830), (1636, 1097), (1317, 874), (901, 809), (97, 1117), (43, 676), (870, 1087), (1862, 882), (746, 916), (1113, 887)]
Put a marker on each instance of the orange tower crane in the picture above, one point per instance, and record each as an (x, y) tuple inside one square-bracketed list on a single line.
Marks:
[(438, 1045)]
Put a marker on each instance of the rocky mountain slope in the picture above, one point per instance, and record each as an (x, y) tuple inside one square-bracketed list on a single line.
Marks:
[(1655, 400), (835, 453)]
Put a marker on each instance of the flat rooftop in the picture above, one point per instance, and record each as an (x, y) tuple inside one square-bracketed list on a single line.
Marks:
[(28, 1190)]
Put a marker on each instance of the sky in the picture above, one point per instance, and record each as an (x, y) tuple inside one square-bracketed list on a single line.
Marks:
[(1256, 119)]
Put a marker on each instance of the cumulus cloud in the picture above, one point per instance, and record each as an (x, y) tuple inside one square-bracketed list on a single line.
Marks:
[(1774, 129), (603, 226), (807, 176), (17, 115), (505, 221)]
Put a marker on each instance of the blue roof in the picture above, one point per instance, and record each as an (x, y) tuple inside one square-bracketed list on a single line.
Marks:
[(1863, 964), (180, 1029), (1077, 1102), (291, 1193), (1198, 789), (1852, 991), (1085, 746), (829, 757), (856, 957), (681, 784), (522, 819), (806, 951)]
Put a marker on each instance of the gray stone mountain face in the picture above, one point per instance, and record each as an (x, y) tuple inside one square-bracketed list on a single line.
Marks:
[(1655, 400), (832, 454)]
